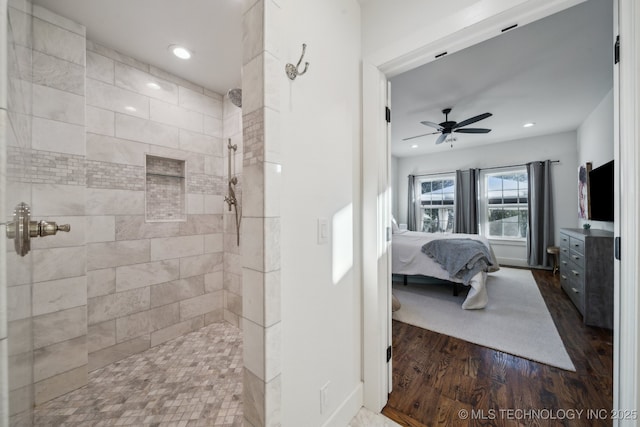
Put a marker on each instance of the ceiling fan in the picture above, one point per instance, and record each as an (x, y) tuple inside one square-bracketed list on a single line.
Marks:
[(448, 127)]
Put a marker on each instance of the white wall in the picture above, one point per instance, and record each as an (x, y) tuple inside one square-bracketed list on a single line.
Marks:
[(560, 146), (320, 146), (595, 143)]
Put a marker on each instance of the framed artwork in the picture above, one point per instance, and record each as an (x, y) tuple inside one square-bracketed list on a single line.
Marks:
[(584, 206)]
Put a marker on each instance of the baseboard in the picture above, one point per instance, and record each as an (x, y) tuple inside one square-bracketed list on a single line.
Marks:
[(347, 409), (512, 262)]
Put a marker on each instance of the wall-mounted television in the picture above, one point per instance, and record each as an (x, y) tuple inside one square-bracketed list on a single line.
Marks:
[(601, 192)]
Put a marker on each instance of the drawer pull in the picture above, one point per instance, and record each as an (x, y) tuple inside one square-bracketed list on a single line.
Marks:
[(564, 250), (575, 290), (576, 257), (575, 273), (564, 277), (564, 262), (577, 245)]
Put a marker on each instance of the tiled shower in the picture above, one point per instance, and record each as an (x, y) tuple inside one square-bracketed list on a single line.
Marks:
[(134, 160)]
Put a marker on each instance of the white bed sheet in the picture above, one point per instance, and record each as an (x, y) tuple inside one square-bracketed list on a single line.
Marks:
[(408, 258)]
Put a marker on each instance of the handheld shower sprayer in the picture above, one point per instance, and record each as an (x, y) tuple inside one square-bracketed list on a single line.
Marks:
[(230, 198)]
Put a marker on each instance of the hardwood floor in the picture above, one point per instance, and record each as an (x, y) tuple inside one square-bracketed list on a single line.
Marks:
[(437, 378)]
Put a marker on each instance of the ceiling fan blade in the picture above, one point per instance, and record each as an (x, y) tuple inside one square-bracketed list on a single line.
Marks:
[(441, 138), (418, 136), (472, 120), (473, 130), (433, 125)]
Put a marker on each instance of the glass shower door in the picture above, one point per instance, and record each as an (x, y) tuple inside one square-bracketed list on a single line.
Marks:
[(15, 144)]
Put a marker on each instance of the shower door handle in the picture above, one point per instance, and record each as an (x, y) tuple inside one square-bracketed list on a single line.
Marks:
[(22, 229)]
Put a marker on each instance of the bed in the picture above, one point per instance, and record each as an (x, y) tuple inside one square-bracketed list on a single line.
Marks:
[(409, 260)]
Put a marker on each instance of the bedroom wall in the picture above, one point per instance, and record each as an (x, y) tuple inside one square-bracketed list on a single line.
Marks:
[(595, 144), (320, 152), (561, 146)]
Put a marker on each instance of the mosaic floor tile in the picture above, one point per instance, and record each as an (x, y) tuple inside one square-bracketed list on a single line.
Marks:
[(193, 380)]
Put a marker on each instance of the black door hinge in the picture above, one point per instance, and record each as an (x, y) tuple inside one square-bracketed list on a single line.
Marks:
[(616, 248), (388, 354), (387, 114), (616, 50)]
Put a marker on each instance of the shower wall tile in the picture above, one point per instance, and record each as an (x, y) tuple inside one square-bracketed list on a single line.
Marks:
[(57, 295), (20, 19), (141, 275), (146, 131), (58, 42), (233, 282), (60, 21), (59, 263), (108, 307), (59, 326), (101, 335), (200, 305), (177, 290), (176, 116), (117, 352), (54, 104), (56, 136), (114, 202), (19, 95), (116, 56), (175, 79), (201, 224), (176, 247), (213, 243), (18, 302), (58, 200), (101, 282), (138, 81), (195, 101), (200, 264), (253, 84), (200, 143), (195, 204), (60, 384), (100, 121), (253, 32), (214, 281), (102, 229), (58, 358), (58, 73), (213, 204), (131, 227), (213, 126), (114, 254), (176, 330), (145, 322), (109, 97), (20, 335), (100, 67), (115, 150)]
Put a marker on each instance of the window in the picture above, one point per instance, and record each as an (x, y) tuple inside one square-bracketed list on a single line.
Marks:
[(437, 204), (505, 204)]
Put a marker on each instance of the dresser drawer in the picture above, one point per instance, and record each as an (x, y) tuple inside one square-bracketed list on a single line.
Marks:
[(575, 290), (564, 240), (576, 245), (577, 258)]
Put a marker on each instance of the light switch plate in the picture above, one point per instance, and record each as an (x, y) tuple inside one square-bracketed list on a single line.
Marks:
[(323, 231)]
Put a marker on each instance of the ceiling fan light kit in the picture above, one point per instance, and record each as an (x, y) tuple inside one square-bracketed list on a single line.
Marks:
[(448, 127)]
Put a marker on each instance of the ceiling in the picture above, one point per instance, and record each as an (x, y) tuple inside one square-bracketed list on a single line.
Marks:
[(552, 72), (144, 29)]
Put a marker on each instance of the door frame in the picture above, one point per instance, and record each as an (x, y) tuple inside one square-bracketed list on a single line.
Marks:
[(417, 50)]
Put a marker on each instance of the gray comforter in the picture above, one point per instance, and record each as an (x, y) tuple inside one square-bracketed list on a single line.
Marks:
[(462, 258)]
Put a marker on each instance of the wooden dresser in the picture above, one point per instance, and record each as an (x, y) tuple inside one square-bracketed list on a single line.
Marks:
[(586, 273)]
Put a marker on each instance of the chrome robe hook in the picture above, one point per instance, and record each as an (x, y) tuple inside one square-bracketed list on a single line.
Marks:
[(293, 71)]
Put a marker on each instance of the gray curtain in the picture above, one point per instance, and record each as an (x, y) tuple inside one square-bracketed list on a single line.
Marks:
[(467, 201), (411, 205), (541, 227)]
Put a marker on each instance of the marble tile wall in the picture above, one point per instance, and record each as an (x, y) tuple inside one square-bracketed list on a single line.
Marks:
[(148, 282), (260, 242)]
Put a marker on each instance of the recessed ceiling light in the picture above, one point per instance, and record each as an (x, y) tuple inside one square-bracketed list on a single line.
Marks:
[(130, 108), (180, 51), (414, 146), (528, 125), (153, 85)]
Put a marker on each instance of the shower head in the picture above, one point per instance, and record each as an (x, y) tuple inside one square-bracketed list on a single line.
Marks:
[(235, 96)]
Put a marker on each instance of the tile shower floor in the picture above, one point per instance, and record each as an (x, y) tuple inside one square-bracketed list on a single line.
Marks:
[(193, 380)]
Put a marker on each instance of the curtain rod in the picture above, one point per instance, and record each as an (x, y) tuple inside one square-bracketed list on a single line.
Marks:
[(484, 169)]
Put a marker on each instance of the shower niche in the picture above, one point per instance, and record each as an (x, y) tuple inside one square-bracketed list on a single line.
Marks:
[(165, 192)]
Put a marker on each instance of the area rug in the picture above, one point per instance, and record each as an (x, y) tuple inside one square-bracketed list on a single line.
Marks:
[(516, 320)]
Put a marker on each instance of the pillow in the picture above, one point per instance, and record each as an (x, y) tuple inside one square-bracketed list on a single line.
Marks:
[(394, 225)]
